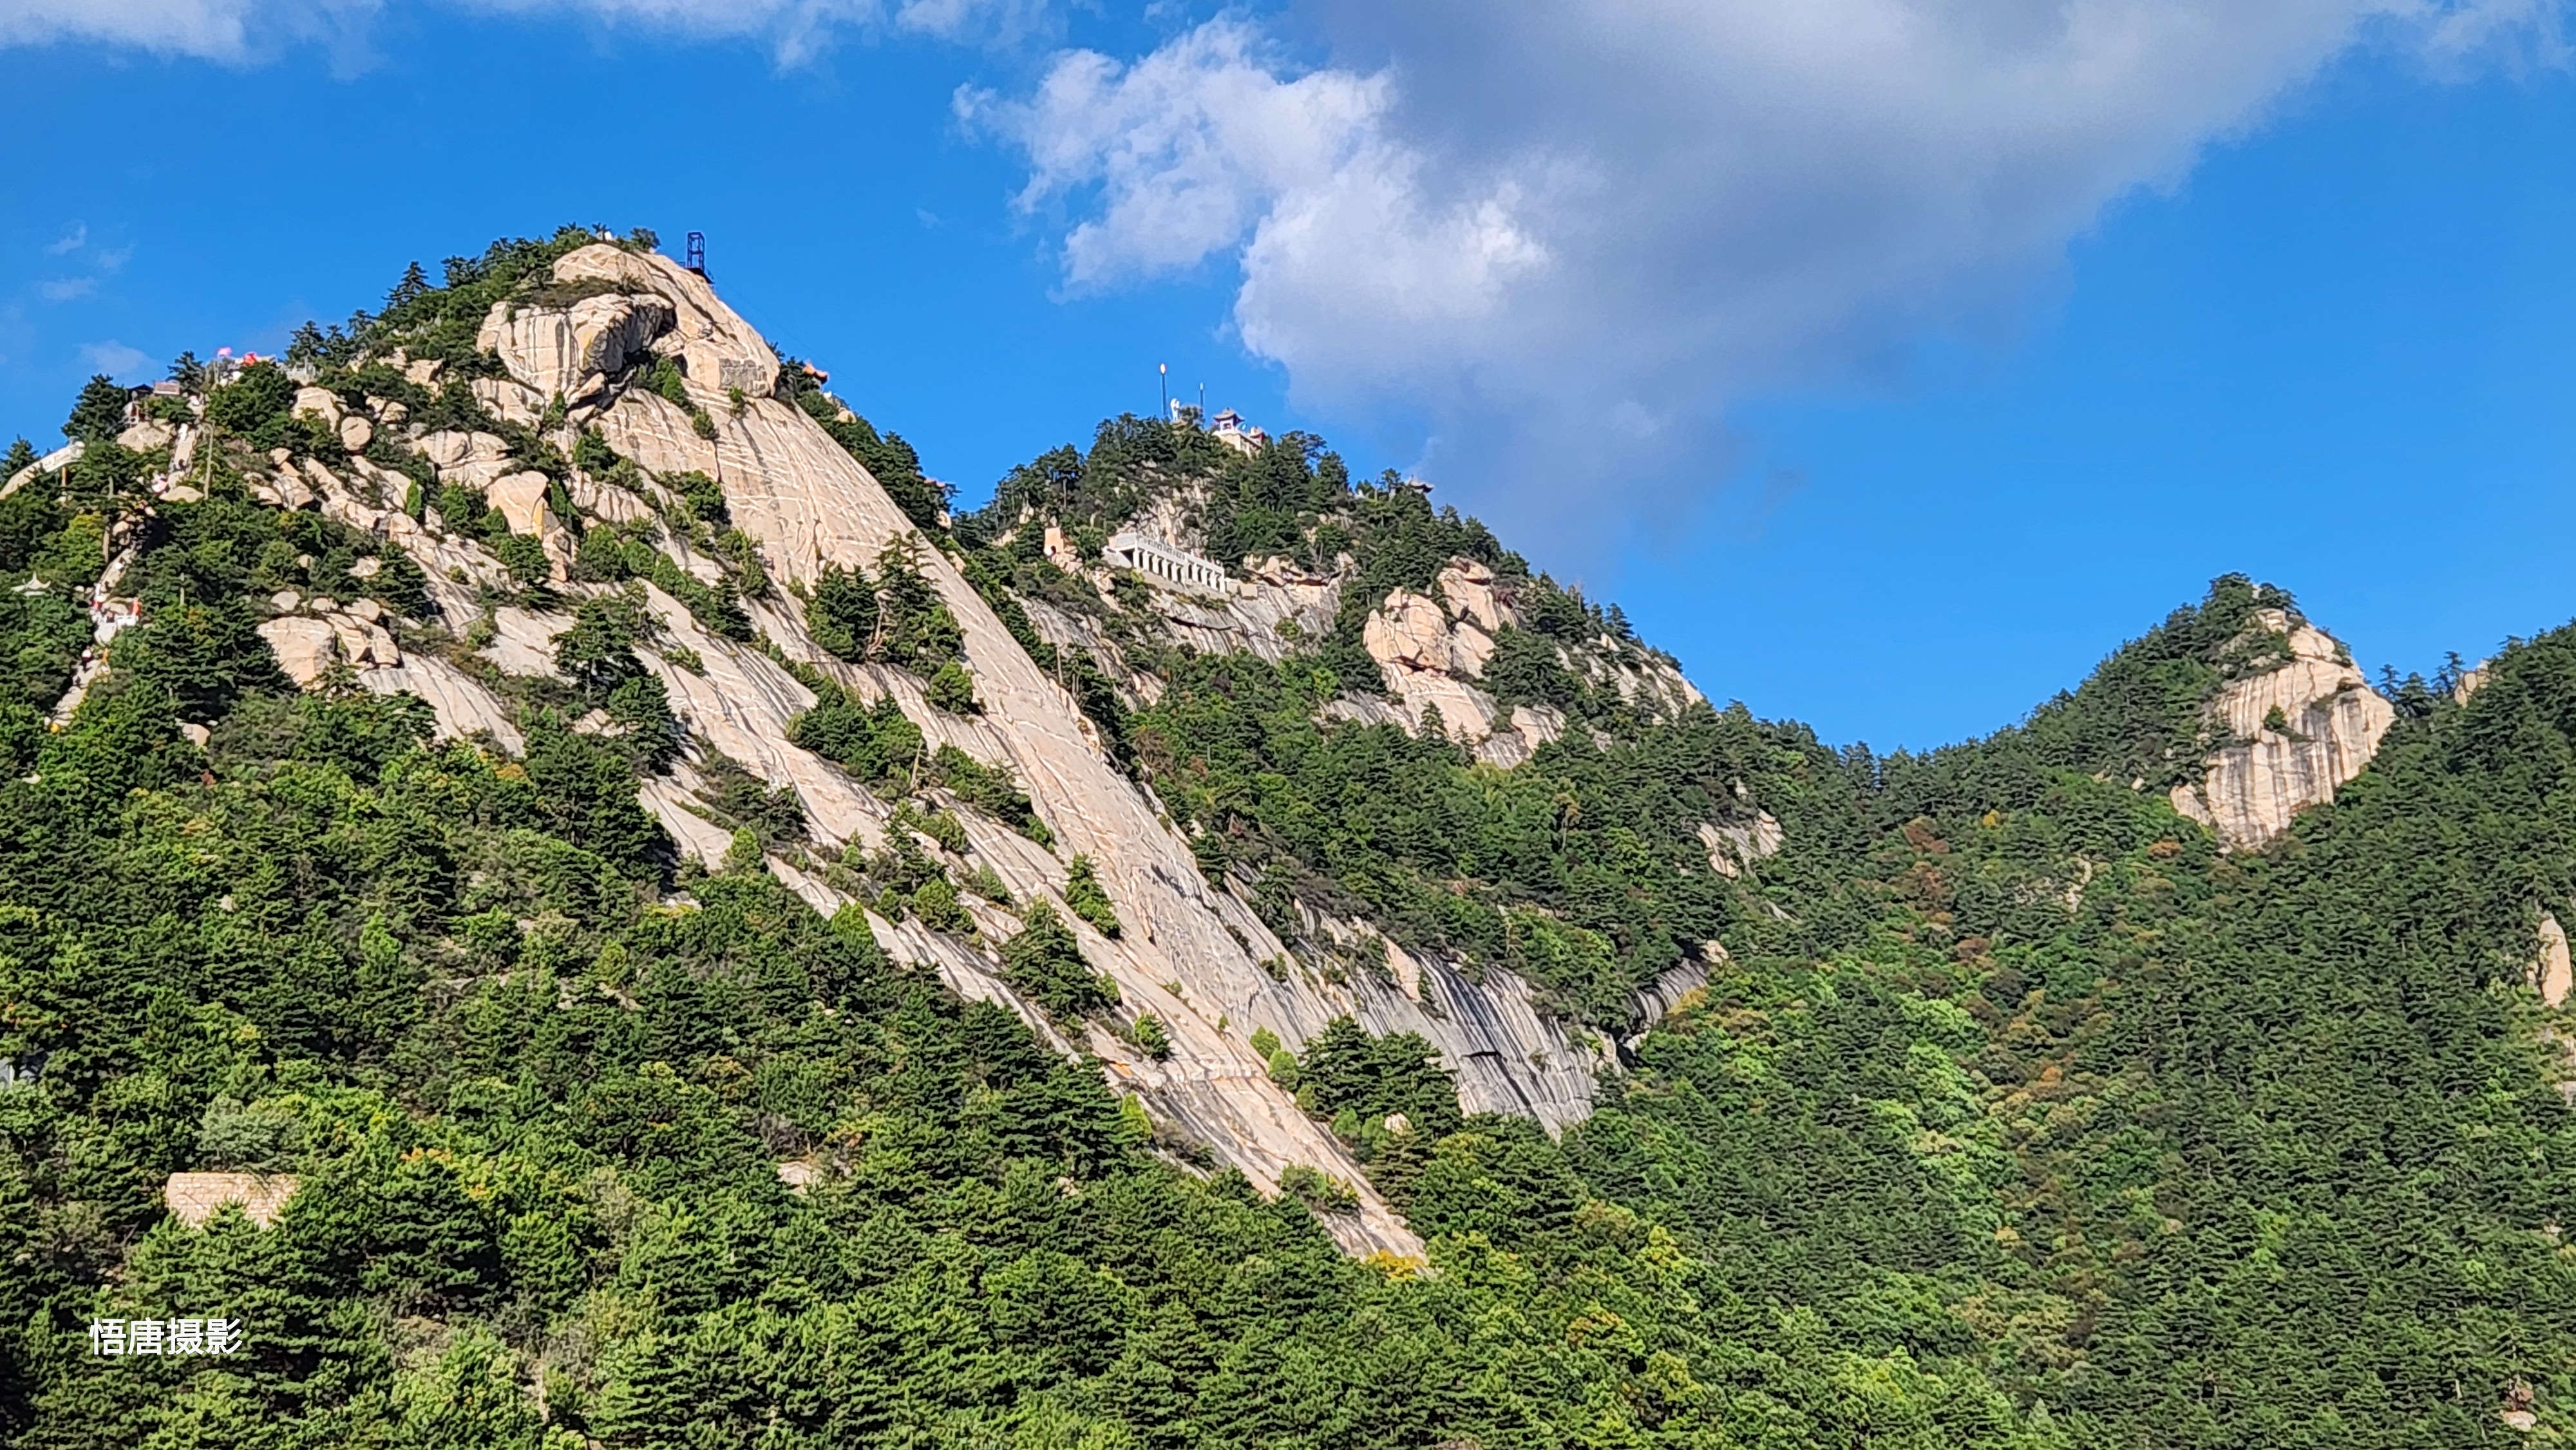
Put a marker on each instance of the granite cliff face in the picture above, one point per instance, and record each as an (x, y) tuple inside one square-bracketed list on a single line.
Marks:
[(2290, 732), (1196, 957)]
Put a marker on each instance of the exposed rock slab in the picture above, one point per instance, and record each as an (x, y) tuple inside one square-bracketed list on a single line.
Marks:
[(195, 1198), (460, 703), (554, 352), (807, 502), (1734, 847), (2553, 973), (2294, 733), (305, 648), (719, 351)]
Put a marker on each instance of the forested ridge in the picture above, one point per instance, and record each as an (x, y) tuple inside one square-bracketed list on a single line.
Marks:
[(2014, 1112)]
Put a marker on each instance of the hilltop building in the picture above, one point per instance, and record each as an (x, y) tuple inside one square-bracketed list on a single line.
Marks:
[(1238, 435), (1128, 549)]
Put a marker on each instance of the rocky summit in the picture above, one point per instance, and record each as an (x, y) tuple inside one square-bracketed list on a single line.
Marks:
[(558, 886)]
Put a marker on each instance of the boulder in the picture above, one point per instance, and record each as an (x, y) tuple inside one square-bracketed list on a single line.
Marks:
[(1736, 846), (521, 498), (424, 371), (319, 403), (1469, 589), (510, 400), (305, 648), (718, 351), (1409, 632), (552, 351), (448, 448), (356, 433), (469, 460), (362, 643), (145, 436), (1423, 660)]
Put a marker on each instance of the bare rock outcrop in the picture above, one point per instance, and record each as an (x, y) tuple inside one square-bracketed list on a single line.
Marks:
[(195, 1198), (557, 352), (2553, 972), (1268, 611), (1733, 848), (145, 436), (305, 648), (1194, 954), (468, 460), (1428, 659), (718, 351), (806, 502), (1468, 587), (2291, 733), (521, 498), (320, 404)]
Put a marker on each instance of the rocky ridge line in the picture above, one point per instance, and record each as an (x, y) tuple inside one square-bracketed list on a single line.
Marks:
[(1195, 956)]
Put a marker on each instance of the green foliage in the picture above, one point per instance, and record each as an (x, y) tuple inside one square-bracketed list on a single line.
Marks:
[(668, 381), (1318, 1190), (1044, 964), (951, 689), (585, 790), (2014, 1114), (943, 827), (1582, 870), (1083, 893), (935, 902), (99, 415), (598, 652), (842, 615), (253, 406), (988, 788), (704, 496), (1150, 1034), (917, 629), (1347, 1070), (873, 742), (735, 798), (41, 638)]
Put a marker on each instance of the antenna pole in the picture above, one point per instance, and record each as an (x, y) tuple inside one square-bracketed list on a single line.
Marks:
[(1165, 370)]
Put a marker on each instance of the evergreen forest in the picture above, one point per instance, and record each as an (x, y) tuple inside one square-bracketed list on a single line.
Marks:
[(2014, 1111)]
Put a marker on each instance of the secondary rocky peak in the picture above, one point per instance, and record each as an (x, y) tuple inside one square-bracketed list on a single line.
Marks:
[(2288, 732)]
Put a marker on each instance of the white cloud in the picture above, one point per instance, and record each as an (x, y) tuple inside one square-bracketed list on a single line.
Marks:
[(225, 30), (71, 240), (113, 358), (66, 289), (1570, 233), (248, 30)]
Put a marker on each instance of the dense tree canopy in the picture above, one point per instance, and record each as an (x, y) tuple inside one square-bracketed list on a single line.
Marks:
[(2013, 1111)]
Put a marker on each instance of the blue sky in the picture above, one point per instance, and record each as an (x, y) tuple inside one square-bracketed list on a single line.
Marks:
[(1889, 383)]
